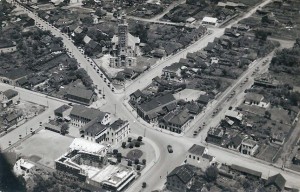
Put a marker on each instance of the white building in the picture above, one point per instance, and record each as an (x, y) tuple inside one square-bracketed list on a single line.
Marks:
[(249, 147), (117, 132), (23, 167), (198, 156), (209, 21), (256, 99)]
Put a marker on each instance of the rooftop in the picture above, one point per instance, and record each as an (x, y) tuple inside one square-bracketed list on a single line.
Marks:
[(197, 150), (184, 172), (117, 124), (81, 93), (157, 101), (87, 146), (87, 113), (95, 126), (278, 180), (246, 170), (9, 93), (253, 97), (62, 108)]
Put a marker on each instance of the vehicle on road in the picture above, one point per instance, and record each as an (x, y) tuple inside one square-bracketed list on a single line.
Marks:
[(195, 133), (113, 89), (144, 185), (169, 147), (104, 79)]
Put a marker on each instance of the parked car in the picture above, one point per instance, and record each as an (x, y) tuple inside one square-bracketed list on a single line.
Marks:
[(169, 147)]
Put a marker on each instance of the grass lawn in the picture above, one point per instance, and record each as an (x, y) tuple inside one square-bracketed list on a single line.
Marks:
[(44, 147)]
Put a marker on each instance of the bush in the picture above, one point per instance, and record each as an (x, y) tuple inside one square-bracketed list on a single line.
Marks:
[(138, 167), (211, 173), (129, 163), (136, 161), (129, 139), (140, 138), (119, 159), (124, 144), (137, 144), (119, 155), (144, 161), (144, 185), (115, 151), (131, 145)]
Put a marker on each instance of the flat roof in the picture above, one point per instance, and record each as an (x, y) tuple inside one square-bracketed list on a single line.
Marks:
[(87, 146), (210, 19)]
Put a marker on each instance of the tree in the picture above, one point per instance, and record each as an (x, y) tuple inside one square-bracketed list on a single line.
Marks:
[(144, 161), (211, 173), (268, 114), (137, 144), (129, 139), (124, 144), (87, 20), (136, 161), (129, 163), (140, 138), (115, 151), (65, 128), (100, 12)]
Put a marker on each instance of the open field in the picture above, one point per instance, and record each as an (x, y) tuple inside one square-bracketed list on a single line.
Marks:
[(189, 94), (44, 147)]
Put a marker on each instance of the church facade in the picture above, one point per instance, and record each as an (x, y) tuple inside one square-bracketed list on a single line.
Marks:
[(125, 46)]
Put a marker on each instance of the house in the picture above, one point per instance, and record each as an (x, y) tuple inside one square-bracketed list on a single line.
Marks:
[(53, 127), (9, 97), (191, 20), (198, 157), (245, 171), (7, 46), (235, 143), (11, 77), (154, 105), (128, 72), (234, 115), (193, 108), (203, 99), (255, 99), (95, 130), (77, 31), (296, 158), (82, 96), (209, 21), (117, 132), (215, 135), (13, 118), (81, 115), (180, 178), (266, 80), (276, 183), (63, 112), (172, 70), (136, 96), (176, 121), (249, 147), (159, 53)]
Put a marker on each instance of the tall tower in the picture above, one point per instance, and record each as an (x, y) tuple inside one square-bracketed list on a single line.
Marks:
[(123, 35)]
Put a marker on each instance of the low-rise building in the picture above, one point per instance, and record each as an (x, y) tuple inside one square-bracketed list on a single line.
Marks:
[(245, 171), (215, 135), (249, 147), (180, 178), (9, 97), (53, 127), (7, 47), (81, 115), (235, 143), (14, 118), (117, 132), (275, 183), (63, 112), (82, 96), (136, 96), (176, 121), (209, 21), (256, 99), (95, 131), (198, 156), (23, 167), (154, 105), (234, 115)]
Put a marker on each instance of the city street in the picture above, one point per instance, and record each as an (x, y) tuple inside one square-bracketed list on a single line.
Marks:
[(166, 161)]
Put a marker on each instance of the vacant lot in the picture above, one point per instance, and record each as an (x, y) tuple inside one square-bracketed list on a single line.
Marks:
[(189, 94), (267, 153), (44, 147)]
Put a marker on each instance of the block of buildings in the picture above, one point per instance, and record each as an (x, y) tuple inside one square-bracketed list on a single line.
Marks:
[(117, 132), (81, 115), (82, 96), (176, 121), (125, 46), (63, 112)]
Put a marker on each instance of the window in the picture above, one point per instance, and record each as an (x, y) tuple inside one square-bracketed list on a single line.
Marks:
[(190, 156), (198, 158), (193, 157)]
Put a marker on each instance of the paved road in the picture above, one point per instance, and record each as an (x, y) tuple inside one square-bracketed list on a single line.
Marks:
[(170, 7), (166, 162)]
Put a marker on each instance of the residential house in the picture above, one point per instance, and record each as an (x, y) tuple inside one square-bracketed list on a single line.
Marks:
[(53, 127), (81, 115), (136, 96), (13, 118), (249, 147), (209, 21), (176, 121), (215, 135), (198, 157), (245, 171), (276, 183), (255, 99), (117, 132), (9, 97), (203, 99), (235, 143), (266, 80), (77, 31), (159, 53), (180, 178), (7, 46), (95, 130), (11, 77), (172, 71), (63, 112), (155, 105), (193, 108), (82, 96), (234, 115)]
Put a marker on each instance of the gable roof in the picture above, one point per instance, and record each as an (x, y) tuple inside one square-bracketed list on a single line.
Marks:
[(254, 97), (277, 180), (118, 124), (246, 170), (138, 93), (61, 109), (95, 126), (236, 141), (183, 172), (81, 93), (88, 113), (178, 118), (197, 150), (9, 94), (157, 101)]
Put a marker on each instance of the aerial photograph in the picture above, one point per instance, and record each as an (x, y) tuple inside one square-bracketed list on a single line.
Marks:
[(149, 95)]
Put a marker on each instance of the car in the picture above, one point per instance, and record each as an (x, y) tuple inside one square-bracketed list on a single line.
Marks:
[(104, 79), (169, 147), (113, 89), (101, 75)]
